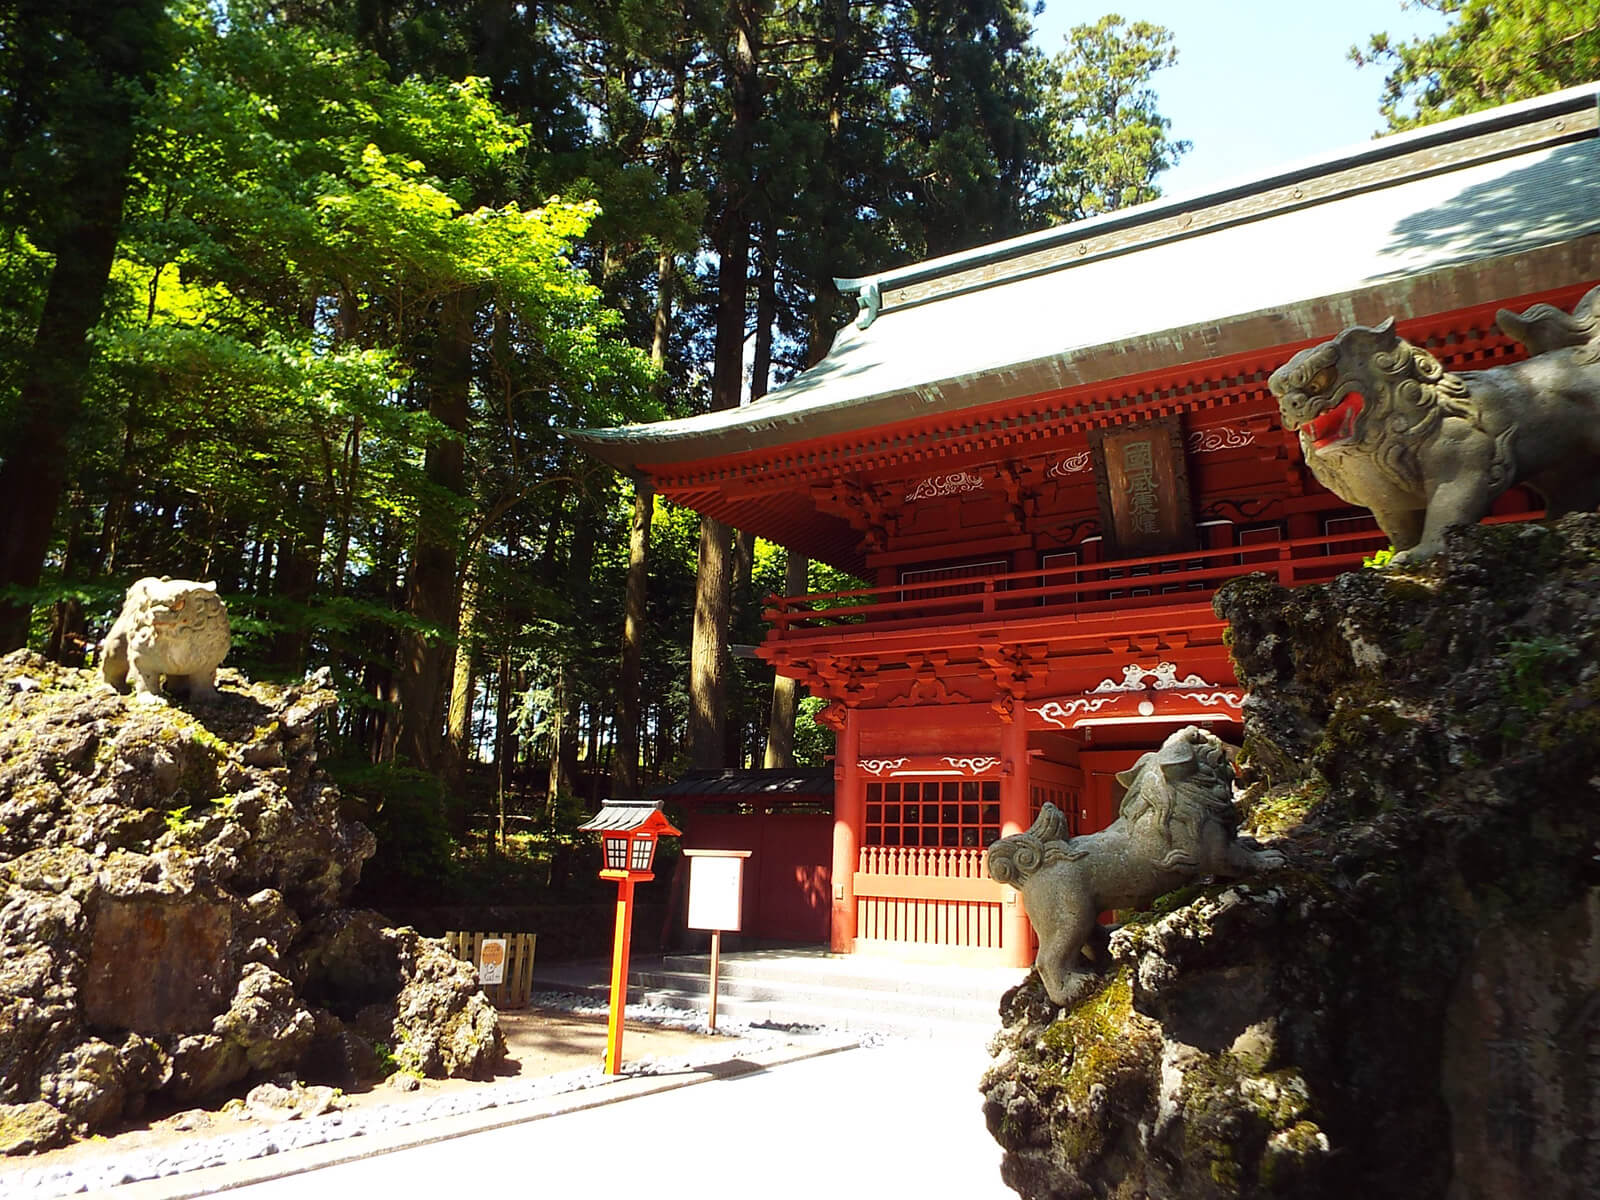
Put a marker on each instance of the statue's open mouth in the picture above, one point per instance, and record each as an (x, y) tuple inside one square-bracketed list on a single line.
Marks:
[(1338, 424)]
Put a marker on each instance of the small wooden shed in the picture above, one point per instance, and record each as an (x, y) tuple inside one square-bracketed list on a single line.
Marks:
[(784, 817)]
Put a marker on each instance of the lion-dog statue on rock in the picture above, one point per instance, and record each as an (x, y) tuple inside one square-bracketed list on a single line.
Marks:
[(1177, 823), (169, 628), (1384, 425)]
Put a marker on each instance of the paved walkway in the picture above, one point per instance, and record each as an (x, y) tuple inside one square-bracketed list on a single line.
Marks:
[(899, 1119)]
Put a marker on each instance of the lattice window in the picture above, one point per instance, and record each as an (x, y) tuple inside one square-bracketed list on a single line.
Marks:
[(1064, 798), (1052, 561), (1336, 526), (933, 813), (974, 571)]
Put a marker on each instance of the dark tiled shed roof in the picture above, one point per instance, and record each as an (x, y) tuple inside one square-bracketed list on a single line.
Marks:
[(780, 781)]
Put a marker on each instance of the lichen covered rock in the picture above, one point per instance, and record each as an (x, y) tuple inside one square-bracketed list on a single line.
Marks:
[(1409, 1007), (168, 878)]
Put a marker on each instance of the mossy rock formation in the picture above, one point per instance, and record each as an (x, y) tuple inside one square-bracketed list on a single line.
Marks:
[(1410, 1008), (171, 921)]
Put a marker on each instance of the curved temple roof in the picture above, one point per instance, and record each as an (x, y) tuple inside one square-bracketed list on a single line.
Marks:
[(1491, 206)]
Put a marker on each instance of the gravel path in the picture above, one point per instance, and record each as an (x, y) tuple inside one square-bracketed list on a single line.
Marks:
[(112, 1169)]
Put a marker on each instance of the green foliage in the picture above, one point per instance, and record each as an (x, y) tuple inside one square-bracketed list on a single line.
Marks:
[(388, 1064), (1492, 52), (1533, 671), (813, 742), (372, 258), (404, 808), (1379, 559), (1108, 141)]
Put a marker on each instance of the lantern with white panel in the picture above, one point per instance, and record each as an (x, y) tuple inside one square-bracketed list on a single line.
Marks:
[(628, 831)]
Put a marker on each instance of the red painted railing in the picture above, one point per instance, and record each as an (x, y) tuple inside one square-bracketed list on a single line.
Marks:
[(1167, 579), (928, 862), (932, 895)]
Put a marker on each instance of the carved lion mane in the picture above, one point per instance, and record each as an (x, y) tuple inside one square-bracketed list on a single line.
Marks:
[(172, 628), (1406, 394), (1382, 423), (1177, 821)]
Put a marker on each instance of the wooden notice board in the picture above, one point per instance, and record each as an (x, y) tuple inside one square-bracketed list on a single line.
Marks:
[(716, 879), (1142, 478)]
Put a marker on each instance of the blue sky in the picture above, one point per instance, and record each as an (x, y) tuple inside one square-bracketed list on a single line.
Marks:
[(1258, 83)]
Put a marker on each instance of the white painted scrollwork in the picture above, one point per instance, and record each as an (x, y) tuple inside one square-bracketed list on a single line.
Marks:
[(1060, 714), (1207, 441), (877, 766), (973, 766), (1225, 699), (1161, 676), (945, 485), (1073, 464)]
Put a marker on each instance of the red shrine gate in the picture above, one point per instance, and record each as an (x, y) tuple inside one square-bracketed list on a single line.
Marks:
[(1047, 454)]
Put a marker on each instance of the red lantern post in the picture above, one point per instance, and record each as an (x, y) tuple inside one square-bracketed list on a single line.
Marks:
[(628, 831)]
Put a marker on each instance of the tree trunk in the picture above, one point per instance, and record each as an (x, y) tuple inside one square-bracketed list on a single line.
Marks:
[(708, 692), (431, 586), (666, 264), (563, 731), (580, 566), (766, 312), (463, 682), (68, 625), (625, 755), (298, 562), (347, 500), (785, 691), (743, 551), (93, 143), (708, 671), (505, 740)]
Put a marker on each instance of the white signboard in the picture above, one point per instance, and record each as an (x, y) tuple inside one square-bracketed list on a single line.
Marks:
[(715, 881), (492, 962)]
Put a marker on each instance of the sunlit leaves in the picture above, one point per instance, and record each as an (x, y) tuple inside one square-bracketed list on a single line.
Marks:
[(1108, 141), (1493, 52)]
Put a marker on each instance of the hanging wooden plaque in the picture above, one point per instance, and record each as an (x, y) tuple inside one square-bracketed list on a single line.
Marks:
[(1142, 478)]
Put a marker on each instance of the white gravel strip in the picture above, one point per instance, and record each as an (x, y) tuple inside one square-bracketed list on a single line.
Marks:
[(40, 1182)]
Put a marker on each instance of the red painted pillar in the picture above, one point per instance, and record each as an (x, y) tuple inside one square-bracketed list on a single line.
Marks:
[(1014, 931), (621, 943), (849, 816)]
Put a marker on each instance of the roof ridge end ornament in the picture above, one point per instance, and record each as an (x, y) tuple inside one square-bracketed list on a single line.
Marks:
[(869, 297)]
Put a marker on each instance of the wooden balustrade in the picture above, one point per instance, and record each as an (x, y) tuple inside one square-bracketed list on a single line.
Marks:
[(922, 862), (1080, 588), (935, 895)]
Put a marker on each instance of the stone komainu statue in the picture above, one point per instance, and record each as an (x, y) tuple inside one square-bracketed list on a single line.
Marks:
[(1384, 425), (172, 628), (1177, 823)]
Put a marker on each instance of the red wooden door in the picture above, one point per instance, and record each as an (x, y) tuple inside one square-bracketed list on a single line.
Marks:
[(788, 876)]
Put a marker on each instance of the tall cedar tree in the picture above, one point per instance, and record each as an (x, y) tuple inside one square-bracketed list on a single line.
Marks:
[(741, 58), (1493, 52), (72, 73), (292, 290)]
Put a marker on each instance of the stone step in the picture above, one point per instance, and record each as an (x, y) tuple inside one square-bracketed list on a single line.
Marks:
[(859, 972), (841, 997), (897, 1021), (843, 993)]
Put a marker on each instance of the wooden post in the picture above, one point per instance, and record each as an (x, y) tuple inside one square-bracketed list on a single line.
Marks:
[(716, 953), (849, 814), (1014, 819), (621, 943)]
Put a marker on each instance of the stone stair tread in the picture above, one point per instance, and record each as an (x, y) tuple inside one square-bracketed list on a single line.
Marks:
[(806, 988), (826, 995), (879, 1020), (864, 972)]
